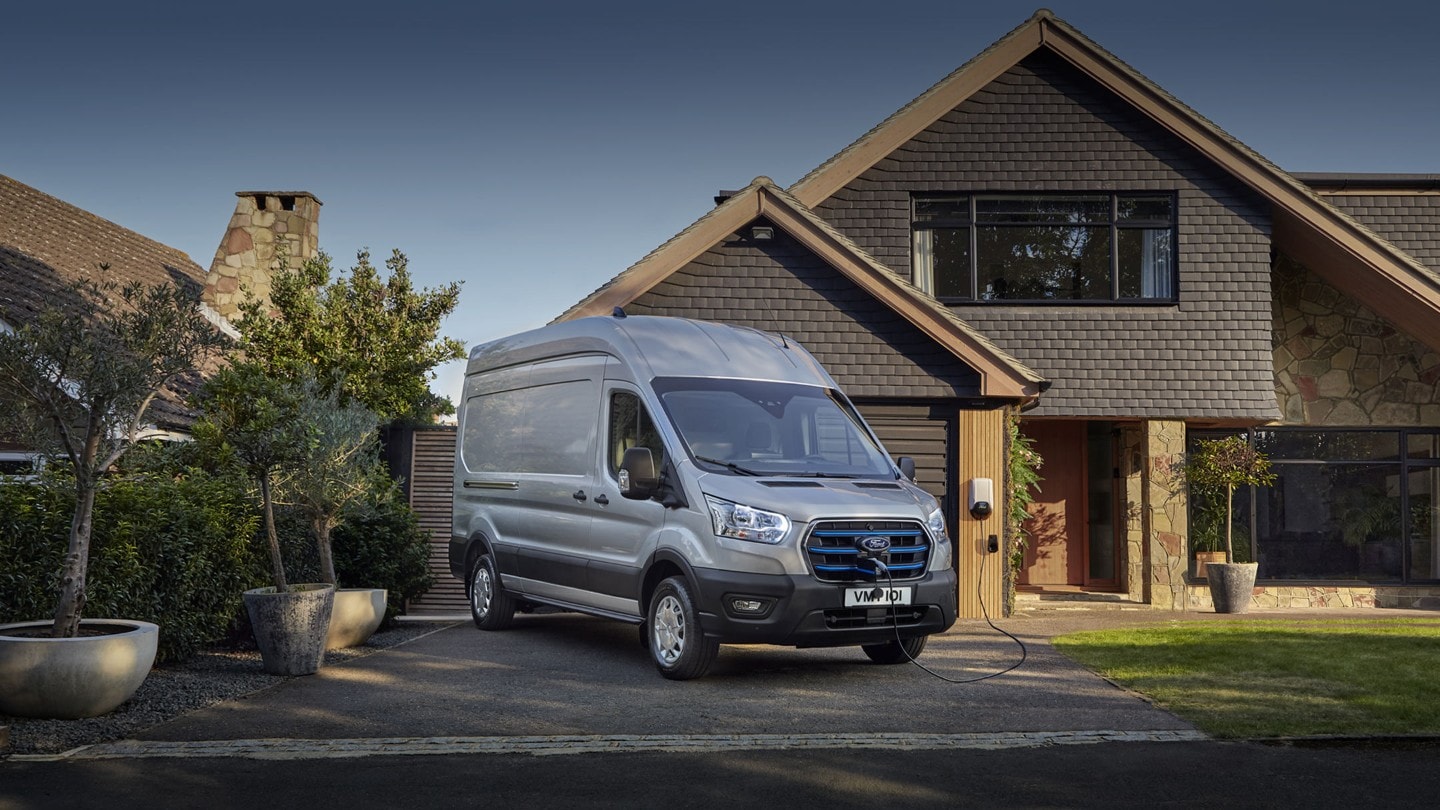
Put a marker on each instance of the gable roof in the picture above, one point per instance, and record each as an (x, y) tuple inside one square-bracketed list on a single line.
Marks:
[(1347, 254), (1001, 374), (47, 244)]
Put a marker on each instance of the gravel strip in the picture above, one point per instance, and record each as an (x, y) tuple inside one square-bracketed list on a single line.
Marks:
[(175, 689)]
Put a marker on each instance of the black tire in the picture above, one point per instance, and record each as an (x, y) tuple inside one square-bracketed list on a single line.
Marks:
[(678, 647), (490, 606), (895, 652)]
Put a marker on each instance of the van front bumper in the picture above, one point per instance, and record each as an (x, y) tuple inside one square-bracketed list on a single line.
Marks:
[(801, 611)]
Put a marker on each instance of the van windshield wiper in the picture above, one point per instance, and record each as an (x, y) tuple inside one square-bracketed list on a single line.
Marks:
[(729, 465)]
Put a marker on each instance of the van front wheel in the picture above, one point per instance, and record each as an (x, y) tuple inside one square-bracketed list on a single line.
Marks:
[(895, 652), (490, 606), (680, 649)]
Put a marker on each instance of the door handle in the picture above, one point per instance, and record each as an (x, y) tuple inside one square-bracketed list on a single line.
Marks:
[(602, 500), (579, 496)]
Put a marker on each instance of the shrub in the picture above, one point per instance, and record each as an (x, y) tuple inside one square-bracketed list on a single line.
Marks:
[(170, 545)]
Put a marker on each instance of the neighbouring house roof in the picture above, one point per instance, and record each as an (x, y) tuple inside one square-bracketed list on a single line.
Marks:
[(1001, 374), (1334, 244), (47, 244)]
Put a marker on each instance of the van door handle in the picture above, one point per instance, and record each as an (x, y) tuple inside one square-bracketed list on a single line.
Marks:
[(602, 500), (579, 496)]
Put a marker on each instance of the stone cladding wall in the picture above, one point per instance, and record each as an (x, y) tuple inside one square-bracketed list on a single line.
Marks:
[(1340, 364)]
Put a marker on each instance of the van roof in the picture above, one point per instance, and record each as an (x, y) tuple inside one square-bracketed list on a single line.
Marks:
[(655, 346)]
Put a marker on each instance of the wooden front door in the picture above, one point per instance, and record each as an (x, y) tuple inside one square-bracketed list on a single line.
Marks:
[(1058, 514)]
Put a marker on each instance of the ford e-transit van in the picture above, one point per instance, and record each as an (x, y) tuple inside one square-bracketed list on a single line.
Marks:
[(708, 482)]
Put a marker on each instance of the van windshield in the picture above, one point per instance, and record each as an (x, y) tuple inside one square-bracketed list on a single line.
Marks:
[(751, 427)]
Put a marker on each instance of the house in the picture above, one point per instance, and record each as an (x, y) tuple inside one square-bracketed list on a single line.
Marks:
[(47, 244), (1046, 235)]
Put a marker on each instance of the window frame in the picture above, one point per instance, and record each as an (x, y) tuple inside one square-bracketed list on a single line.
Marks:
[(1113, 224)]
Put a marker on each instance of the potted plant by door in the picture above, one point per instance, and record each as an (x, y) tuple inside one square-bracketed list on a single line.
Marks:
[(1221, 465), (82, 377), (258, 420)]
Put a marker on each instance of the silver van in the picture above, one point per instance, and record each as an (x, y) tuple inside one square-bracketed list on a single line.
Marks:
[(708, 482)]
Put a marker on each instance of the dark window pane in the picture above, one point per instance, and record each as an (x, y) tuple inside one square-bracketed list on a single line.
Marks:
[(1146, 266), (1331, 521), (1424, 523), (1043, 263), (942, 208), (1424, 445), (630, 426), (1031, 208), (1144, 209), (1329, 445), (950, 251)]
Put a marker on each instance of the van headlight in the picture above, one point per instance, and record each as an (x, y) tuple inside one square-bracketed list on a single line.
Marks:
[(935, 524), (747, 523)]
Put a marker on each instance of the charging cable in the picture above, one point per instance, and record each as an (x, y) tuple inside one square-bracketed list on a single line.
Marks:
[(881, 568)]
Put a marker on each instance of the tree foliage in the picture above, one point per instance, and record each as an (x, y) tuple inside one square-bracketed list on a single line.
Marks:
[(257, 421), (81, 379), (339, 466), (1221, 465), (1022, 481), (376, 338)]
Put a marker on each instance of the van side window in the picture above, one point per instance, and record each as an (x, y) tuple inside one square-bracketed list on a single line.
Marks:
[(630, 426), (542, 429)]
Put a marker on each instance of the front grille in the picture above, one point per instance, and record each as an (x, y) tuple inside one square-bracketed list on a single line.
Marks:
[(850, 618), (833, 549)]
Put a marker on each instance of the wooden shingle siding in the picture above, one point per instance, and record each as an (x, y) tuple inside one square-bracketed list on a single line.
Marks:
[(779, 286), (431, 472), (1044, 127), (1411, 221)]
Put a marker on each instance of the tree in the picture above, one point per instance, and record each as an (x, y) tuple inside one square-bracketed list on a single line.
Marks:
[(338, 467), (376, 338), (83, 377), (256, 419), (1224, 464)]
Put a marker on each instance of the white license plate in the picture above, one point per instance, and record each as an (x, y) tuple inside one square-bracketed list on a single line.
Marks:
[(873, 596)]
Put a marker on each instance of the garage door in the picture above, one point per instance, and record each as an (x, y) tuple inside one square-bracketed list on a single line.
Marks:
[(925, 434)]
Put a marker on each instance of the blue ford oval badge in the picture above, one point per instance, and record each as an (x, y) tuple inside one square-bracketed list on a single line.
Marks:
[(874, 545)]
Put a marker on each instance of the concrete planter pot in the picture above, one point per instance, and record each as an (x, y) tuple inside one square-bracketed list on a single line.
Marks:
[(355, 617), (1231, 585), (291, 627), (70, 678)]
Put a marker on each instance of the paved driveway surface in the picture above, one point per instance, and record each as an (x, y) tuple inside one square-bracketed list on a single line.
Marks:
[(566, 674)]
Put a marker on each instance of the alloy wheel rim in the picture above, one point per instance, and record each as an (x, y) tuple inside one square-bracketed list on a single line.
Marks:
[(669, 630), (480, 592)]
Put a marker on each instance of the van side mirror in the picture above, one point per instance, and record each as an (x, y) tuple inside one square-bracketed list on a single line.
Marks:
[(638, 478), (907, 467)]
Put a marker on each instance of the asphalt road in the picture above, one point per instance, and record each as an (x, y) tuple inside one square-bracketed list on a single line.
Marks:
[(817, 716)]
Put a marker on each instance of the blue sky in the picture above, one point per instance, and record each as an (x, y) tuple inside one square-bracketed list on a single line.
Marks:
[(534, 149)]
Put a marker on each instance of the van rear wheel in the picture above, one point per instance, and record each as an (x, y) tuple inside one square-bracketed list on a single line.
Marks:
[(895, 652), (490, 606), (678, 646)]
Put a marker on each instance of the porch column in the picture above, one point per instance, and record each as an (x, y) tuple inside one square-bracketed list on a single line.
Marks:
[(1164, 514)]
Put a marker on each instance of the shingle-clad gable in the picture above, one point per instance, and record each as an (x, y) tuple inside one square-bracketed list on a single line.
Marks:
[(1044, 126), (1410, 221), (778, 285)]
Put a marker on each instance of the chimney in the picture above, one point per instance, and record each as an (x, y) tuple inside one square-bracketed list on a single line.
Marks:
[(248, 252)]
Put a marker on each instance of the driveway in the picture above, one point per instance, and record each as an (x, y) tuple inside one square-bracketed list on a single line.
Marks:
[(566, 674)]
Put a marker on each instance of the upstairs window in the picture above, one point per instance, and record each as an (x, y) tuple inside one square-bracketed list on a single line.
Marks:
[(1045, 247)]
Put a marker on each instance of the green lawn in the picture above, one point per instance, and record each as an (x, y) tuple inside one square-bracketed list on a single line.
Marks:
[(1268, 678)]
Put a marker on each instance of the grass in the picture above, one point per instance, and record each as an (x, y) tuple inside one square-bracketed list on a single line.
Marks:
[(1269, 678)]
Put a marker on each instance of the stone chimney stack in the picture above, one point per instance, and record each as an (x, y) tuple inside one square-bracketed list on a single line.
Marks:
[(248, 252)]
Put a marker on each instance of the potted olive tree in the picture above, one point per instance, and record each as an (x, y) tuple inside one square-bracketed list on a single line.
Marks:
[(258, 420), (1221, 465), (339, 466), (79, 382)]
